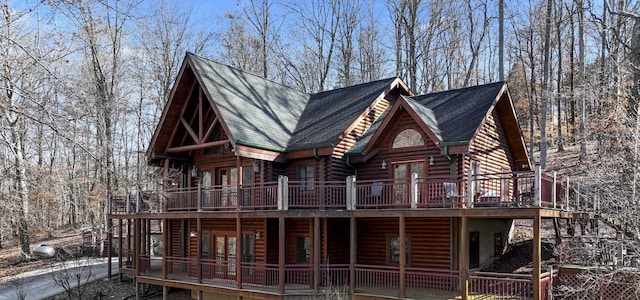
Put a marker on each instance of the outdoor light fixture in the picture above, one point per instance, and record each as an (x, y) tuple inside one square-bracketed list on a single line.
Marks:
[(258, 235), (193, 233), (431, 160), (384, 164), (256, 166)]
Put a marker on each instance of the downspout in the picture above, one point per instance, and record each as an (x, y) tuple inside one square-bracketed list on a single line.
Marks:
[(446, 154), (315, 153), (348, 161)]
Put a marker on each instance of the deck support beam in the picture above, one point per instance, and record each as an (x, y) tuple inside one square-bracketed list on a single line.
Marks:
[(120, 239), (199, 243), (238, 251), (403, 255), (281, 254), (464, 258), (352, 254), (536, 257), (165, 248), (316, 255)]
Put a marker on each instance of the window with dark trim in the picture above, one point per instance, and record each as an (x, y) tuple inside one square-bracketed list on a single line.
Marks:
[(306, 176), (394, 249), (303, 251)]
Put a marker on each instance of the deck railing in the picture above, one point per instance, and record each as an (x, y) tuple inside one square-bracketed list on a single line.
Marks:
[(515, 189), (383, 280), (501, 286)]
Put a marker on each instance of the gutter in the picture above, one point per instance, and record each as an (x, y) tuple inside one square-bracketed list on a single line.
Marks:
[(446, 148)]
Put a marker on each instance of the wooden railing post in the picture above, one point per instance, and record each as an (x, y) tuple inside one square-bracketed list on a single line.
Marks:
[(351, 192), (469, 190), (554, 189), (537, 186), (199, 197), (280, 192), (414, 190)]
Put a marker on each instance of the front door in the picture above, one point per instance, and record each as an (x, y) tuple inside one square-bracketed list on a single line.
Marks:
[(402, 180)]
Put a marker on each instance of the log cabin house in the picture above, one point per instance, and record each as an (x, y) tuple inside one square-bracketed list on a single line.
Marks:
[(365, 191)]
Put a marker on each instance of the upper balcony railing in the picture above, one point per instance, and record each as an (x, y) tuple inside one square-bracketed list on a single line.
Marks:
[(517, 189)]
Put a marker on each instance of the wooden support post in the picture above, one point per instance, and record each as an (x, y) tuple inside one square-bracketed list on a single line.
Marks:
[(199, 250), (165, 292), (414, 190), (281, 254), (316, 254), (165, 248), (464, 258), (537, 261), (403, 255), (109, 245), (353, 244), (136, 246), (120, 239), (238, 251)]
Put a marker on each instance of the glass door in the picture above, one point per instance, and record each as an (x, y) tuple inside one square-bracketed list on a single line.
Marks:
[(228, 180), (402, 180)]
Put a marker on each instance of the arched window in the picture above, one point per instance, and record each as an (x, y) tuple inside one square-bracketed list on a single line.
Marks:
[(408, 138)]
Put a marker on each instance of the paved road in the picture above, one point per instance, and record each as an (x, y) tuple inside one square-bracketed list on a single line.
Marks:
[(39, 284)]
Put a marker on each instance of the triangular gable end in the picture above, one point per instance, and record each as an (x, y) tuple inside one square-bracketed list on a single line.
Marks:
[(396, 84), (403, 104), (504, 105), (188, 119)]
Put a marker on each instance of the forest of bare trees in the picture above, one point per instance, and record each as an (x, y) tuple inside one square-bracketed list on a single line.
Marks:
[(82, 83)]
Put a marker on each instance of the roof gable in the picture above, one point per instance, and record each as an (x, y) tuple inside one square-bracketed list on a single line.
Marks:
[(328, 114), (256, 112), (461, 112)]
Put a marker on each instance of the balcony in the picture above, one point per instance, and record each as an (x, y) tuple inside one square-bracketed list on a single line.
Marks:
[(503, 190), (368, 279)]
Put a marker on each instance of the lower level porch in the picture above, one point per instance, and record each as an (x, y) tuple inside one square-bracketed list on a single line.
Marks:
[(272, 281)]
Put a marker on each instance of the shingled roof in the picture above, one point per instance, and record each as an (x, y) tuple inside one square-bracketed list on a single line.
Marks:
[(453, 116), (260, 113), (459, 112), (257, 112), (329, 113)]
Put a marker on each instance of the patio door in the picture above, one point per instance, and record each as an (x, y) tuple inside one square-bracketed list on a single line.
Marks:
[(205, 184), (228, 181), (225, 249), (247, 184), (402, 180)]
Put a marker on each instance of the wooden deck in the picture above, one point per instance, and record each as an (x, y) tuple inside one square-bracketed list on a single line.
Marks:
[(500, 190), (369, 280)]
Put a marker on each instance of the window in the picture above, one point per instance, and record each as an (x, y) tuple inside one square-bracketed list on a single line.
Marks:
[(306, 176), (394, 249), (408, 138), (303, 250)]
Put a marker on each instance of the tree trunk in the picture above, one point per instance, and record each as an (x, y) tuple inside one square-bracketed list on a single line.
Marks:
[(545, 87)]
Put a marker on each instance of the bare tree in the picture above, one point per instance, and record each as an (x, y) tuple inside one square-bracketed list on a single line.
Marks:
[(545, 85)]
